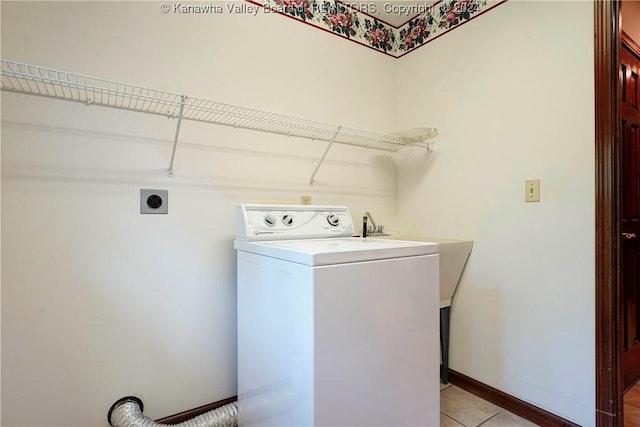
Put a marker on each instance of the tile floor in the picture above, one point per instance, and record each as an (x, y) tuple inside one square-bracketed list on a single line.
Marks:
[(459, 408), (631, 410)]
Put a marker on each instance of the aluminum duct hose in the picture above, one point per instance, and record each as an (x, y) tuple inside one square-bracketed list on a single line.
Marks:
[(127, 412)]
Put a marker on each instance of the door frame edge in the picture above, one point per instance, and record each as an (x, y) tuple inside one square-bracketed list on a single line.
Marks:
[(609, 393)]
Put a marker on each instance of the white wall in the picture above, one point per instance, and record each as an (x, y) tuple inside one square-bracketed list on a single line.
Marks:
[(100, 302), (512, 95)]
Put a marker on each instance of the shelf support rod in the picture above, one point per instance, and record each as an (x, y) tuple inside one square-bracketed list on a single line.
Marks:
[(324, 155), (183, 98)]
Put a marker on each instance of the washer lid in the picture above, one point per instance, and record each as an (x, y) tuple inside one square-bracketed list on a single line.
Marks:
[(315, 252)]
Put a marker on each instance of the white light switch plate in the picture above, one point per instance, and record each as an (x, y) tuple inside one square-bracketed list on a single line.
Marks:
[(532, 190)]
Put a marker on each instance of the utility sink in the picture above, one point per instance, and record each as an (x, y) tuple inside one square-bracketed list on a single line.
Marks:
[(453, 258)]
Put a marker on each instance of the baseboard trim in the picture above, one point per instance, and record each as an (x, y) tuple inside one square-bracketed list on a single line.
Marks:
[(508, 402), (187, 415), (488, 393)]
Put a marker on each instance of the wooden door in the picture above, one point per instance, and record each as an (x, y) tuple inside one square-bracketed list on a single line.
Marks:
[(630, 214)]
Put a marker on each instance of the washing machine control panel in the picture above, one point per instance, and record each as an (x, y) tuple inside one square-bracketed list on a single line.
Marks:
[(290, 222)]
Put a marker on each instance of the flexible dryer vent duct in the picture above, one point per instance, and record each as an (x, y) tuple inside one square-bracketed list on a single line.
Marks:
[(127, 412)]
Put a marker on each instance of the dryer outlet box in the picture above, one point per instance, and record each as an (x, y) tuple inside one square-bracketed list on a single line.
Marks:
[(154, 201)]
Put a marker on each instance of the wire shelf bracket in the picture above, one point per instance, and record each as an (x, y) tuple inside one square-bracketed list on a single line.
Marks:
[(36, 80), (171, 172), (324, 155)]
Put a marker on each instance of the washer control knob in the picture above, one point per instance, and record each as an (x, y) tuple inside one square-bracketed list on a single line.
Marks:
[(333, 220), (270, 220), (287, 220)]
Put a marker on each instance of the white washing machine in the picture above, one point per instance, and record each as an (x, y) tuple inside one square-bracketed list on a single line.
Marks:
[(333, 330)]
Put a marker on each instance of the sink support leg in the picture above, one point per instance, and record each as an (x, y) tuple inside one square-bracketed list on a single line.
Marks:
[(445, 314)]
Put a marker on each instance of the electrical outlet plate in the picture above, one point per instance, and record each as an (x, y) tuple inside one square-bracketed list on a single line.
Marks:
[(154, 201), (305, 200), (532, 190)]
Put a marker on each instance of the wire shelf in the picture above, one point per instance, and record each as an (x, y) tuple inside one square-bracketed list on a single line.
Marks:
[(36, 80)]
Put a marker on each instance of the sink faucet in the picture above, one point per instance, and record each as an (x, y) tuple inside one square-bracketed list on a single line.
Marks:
[(373, 229)]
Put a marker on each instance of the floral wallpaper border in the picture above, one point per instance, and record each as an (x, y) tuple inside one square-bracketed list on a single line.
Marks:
[(348, 22)]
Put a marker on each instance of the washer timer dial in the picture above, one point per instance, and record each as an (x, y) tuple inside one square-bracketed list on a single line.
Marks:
[(333, 220)]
